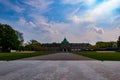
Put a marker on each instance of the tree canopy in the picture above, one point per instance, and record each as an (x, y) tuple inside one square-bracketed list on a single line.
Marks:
[(118, 42), (33, 45), (104, 46), (8, 38)]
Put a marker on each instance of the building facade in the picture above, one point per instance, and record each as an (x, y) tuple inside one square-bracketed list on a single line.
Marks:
[(65, 46)]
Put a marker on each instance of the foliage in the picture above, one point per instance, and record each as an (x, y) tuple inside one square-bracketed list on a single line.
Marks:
[(8, 38), (14, 56), (118, 42), (114, 56), (33, 45), (20, 37), (104, 45)]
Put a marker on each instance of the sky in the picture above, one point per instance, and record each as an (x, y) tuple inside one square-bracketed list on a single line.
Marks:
[(47, 21)]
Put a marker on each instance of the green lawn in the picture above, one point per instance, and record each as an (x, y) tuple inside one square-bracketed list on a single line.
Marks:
[(15, 56), (114, 56)]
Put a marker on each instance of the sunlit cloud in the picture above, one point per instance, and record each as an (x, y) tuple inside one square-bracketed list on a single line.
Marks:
[(74, 2), (96, 29), (102, 11), (52, 20)]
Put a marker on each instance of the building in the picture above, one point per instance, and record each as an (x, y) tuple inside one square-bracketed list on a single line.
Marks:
[(65, 46)]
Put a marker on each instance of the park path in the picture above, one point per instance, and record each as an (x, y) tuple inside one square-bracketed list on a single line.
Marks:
[(59, 70), (59, 56)]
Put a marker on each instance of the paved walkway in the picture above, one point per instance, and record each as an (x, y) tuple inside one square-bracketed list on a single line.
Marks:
[(59, 70), (59, 56)]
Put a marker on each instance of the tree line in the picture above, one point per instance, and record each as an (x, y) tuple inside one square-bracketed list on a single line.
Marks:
[(11, 39), (106, 45)]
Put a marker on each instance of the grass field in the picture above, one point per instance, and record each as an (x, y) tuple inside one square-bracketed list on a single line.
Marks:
[(114, 56), (15, 56)]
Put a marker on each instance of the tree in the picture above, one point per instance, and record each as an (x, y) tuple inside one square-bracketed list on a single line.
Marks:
[(33, 45), (20, 37), (8, 38), (118, 42), (105, 46)]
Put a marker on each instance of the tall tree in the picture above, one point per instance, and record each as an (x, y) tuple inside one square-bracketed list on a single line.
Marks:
[(8, 38), (118, 42), (20, 37)]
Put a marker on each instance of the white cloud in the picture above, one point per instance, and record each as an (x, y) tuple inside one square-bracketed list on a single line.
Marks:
[(50, 31), (100, 12), (74, 2), (25, 23), (115, 21), (111, 35), (71, 1), (78, 19), (55, 32), (11, 6), (96, 29), (41, 29), (31, 24), (105, 8), (42, 23), (17, 8), (93, 37), (40, 5), (21, 21)]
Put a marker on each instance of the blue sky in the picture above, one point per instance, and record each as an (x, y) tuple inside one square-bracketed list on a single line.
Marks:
[(52, 20)]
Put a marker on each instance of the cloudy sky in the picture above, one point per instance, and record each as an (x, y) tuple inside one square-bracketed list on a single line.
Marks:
[(52, 20)]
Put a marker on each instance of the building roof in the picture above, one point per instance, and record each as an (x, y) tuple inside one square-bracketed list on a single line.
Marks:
[(65, 41)]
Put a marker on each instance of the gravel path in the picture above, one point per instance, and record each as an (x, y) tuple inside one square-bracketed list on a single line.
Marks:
[(59, 56)]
